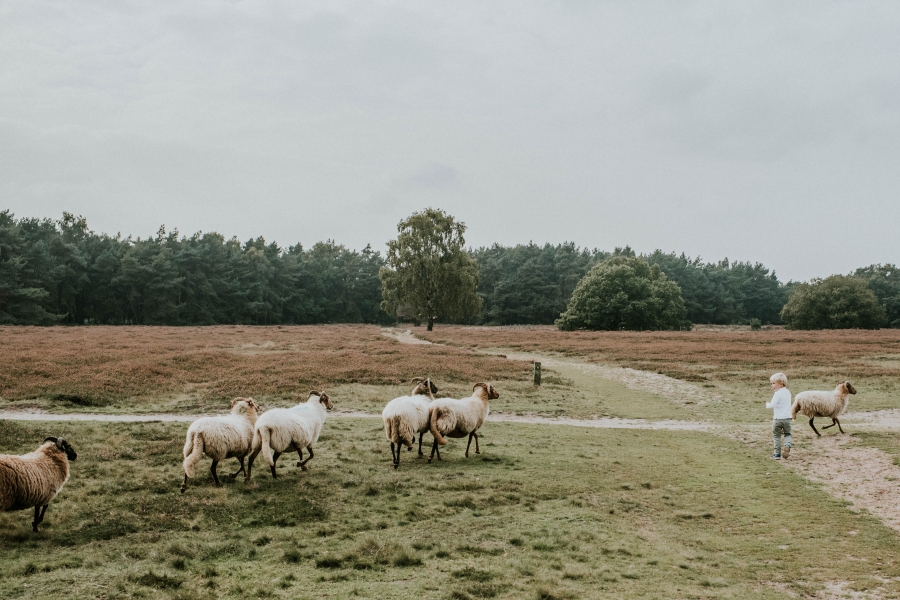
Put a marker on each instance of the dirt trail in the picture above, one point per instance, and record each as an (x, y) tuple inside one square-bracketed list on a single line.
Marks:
[(605, 423), (866, 477), (404, 337)]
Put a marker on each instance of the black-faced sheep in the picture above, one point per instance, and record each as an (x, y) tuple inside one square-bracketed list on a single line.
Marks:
[(220, 438), (406, 416), (823, 404), (286, 429), (460, 418), (34, 479)]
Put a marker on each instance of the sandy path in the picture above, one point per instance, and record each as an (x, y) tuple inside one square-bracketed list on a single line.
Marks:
[(866, 477), (404, 337), (605, 423)]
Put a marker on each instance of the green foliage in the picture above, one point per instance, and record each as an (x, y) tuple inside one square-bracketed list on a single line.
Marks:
[(724, 293), (52, 271), (884, 280), (429, 275), (837, 302), (529, 283), (624, 293)]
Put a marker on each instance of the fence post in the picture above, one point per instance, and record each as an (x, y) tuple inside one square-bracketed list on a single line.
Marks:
[(537, 373)]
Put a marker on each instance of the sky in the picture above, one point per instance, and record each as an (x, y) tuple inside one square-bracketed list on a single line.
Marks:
[(758, 131)]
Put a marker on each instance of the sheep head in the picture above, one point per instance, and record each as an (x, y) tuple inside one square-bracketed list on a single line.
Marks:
[(247, 403), (847, 388), (423, 387), (323, 398), (63, 445), (491, 392)]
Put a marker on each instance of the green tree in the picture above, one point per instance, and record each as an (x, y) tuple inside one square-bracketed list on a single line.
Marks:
[(428, 274), (884, 280), (624, 292), (836, 302)]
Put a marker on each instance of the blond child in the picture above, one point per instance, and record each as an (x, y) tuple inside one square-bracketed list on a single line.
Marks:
[(781, 416)]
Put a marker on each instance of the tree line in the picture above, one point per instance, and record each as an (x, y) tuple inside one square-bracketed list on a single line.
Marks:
[(59, 271)]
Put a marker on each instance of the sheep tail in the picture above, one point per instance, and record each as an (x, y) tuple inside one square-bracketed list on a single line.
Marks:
[(193, 452), (794, 410), (435, 415), (262, 436)]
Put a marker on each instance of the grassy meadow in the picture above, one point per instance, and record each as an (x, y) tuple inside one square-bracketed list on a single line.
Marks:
[(544, 512)]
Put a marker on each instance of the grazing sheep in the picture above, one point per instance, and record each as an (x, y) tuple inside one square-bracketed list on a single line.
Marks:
[(285, 429), (34, 479), (406, 416), (459, 418), (823, 404), (220, 438)]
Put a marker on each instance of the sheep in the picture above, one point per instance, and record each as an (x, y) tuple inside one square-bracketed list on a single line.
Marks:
[(285, 429), (220, 438), (458, 418), (34, 479), (823, 404), (406, 416)]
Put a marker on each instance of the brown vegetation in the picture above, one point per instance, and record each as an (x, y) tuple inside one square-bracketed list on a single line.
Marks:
[(96, 365), (703, 355)]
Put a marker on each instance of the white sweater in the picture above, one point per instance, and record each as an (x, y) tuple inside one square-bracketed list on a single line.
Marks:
[(781, 404)]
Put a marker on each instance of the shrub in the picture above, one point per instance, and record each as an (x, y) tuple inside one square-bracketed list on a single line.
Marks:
[(624, 293), (837, 302)]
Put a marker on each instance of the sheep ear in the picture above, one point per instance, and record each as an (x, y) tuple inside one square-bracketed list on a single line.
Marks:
[(433, 387), (323, 397)]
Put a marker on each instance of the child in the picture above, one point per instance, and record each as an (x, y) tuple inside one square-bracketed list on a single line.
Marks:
[(781, 418)]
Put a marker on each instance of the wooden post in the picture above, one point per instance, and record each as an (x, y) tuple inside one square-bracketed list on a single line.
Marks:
[(537, 373)]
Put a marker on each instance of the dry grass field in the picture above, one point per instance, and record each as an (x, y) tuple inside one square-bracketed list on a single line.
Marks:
[(200, 368)]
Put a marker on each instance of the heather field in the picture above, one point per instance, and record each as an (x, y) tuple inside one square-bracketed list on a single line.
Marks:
[(546, 511), (185, 369)]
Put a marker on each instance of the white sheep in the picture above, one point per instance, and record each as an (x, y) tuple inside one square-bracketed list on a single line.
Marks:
[(823, 404), (459, 418), (406, 416), (34, 479), (220, 438), (286, 429)]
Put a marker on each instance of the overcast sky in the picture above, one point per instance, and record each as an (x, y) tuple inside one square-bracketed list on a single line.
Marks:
[(760, 131)]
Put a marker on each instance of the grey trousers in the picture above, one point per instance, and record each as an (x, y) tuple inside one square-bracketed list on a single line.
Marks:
[(779, 427)]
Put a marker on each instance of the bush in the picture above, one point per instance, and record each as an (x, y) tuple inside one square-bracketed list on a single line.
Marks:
[(755, 324), (624, 293), (837, 302)]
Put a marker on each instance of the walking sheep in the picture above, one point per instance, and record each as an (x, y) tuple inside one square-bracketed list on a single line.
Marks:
[(34, 479), (459, 418), (286, 429), (406, 416), (823, 404), (220, 438)]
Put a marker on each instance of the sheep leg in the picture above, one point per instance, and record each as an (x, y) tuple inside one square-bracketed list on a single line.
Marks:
[(242, 469), (250, 464), (839, 425), (309, 448), (811, 424), (275, 460), (421, 435), (477, 449), (212, 470), (184, 483), (433, 450), (395, 456), (300, 454), (409, 448), (38, 517), (469, 444)]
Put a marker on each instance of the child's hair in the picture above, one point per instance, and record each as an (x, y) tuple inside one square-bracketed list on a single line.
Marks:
[(780, 377)]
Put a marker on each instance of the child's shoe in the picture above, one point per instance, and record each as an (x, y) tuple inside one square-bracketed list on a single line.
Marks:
[(786, 451), (776, 456)]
